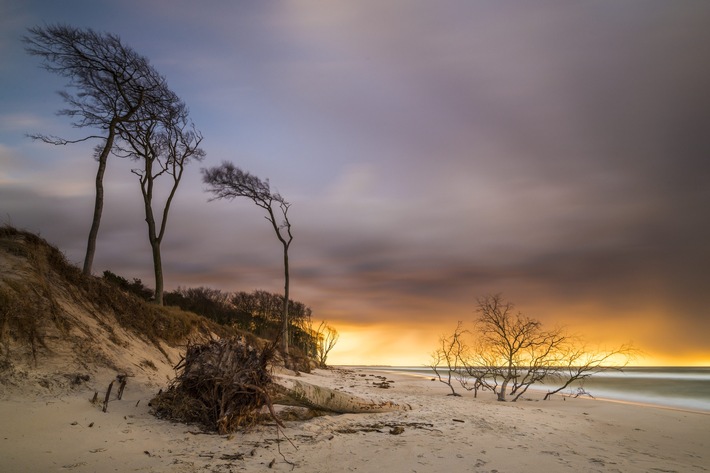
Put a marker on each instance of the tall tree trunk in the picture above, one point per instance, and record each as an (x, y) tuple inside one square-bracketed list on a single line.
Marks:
[(284, 316), (146, 182), (158, 267), (147, 188), (99, 202)]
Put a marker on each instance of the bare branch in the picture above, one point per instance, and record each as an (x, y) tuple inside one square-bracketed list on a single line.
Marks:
[(55, 140), (448, 355)]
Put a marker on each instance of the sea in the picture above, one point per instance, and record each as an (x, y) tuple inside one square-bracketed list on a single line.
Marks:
[(685, 388)]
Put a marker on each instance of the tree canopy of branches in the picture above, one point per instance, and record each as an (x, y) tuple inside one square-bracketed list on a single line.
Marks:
[(207, 302), (135, 287), (229, 182), (265, 310), (508, 352), (111, 82), (514, 347), (258, 312), (163, 141)]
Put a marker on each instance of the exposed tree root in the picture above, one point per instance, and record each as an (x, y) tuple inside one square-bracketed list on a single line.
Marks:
[(222, 385)]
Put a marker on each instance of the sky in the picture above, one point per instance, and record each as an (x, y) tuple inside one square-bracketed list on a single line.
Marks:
[(555, 152)]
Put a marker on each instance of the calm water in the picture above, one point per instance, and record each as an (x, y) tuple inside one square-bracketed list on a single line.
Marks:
[(683, 388)]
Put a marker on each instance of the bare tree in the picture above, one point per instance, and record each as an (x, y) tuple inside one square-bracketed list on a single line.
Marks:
[(449, 355), (515, 348), (164, 141), (228, 182), (327, 337), (112, 83), (508, 352)]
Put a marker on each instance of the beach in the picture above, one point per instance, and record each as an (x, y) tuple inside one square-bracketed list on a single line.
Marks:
[(440, 433)]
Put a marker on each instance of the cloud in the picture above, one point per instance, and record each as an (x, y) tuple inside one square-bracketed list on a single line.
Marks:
[(432, 154), (20, 122)]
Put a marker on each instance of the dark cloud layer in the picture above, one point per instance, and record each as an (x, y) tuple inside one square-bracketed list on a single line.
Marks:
[(433, 152)]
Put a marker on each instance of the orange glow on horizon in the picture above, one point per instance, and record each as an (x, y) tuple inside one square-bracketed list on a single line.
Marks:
[(396, 345), (382, 345)]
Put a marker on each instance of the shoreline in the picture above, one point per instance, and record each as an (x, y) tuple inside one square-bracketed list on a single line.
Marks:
[(542, 390), (440, 433), (703, 409)]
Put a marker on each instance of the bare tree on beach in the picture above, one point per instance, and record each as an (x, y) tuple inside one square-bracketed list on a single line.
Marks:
[(164, 141), (229, 182), (515, 347), (508, 352), (112, 83)]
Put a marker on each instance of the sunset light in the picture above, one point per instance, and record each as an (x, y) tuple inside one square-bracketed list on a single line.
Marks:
[(355, 236)]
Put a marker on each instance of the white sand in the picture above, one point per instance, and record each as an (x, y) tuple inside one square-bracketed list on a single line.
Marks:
[(441, 433)]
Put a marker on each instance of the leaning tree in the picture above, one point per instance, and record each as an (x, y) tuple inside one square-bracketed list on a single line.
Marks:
[(229, 182), (111, 83)]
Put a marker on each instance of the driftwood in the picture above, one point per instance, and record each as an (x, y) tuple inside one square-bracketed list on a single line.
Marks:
[(108, 394), (122, 379), (292, 392)]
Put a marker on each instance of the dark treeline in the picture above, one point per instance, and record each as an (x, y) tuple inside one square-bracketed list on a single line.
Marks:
[(258, 312)]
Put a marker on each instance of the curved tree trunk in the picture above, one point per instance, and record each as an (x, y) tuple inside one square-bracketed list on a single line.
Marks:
[(503, 387)]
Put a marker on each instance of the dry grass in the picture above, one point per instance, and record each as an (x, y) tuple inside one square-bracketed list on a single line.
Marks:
[(31, 296)]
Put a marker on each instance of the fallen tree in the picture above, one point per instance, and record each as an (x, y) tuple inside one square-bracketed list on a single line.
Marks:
[(225, 384), (292, 392)]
